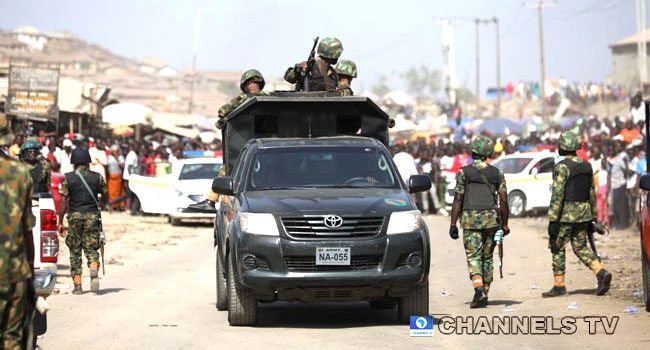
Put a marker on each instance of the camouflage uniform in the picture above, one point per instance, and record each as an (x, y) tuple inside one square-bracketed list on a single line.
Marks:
[(345, 69), (571, 212), (574, 220), (40, 170), (479, 227), (247, 76), (83, 230), (236, 102), (323, 76), (15, 271)]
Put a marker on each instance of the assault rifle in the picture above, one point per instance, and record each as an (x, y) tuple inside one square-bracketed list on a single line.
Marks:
[(311, 60)]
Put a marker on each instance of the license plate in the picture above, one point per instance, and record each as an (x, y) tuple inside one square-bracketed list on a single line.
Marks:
[(332, 256)]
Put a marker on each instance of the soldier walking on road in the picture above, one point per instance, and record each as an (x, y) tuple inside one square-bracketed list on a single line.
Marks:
[(39, 167), (571, 215), (322, 76), (347, 70), (79, 191), (16, 247), (481, 201)]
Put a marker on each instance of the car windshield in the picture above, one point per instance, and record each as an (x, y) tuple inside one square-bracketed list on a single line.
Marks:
[(199, 171), (512, 165), (321, 167)]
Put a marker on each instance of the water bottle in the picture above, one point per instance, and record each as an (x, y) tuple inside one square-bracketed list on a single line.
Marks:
[(498, 236)]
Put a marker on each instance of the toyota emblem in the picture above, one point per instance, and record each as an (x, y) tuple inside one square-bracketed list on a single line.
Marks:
[(333, 221)]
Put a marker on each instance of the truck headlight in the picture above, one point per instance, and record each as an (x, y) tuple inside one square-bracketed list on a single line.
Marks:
[(258, 224), (404, 222)]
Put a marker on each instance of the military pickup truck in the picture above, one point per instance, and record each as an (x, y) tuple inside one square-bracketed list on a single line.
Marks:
[(313, 209)]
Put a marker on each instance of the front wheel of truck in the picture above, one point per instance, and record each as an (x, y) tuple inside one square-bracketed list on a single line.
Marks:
[(416, 303), (242, 306)]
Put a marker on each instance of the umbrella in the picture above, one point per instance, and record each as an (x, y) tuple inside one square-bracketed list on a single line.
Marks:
[(125, 114), (500, 126)]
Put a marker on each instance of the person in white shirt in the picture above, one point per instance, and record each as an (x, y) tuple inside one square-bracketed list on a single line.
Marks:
[(405, 164), (63, 157), (98, 158), (130, 164)]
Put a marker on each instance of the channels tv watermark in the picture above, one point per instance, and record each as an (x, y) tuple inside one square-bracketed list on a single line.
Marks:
[(422, 326)]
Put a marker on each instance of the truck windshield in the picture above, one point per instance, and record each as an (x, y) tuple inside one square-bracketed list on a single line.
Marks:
[(321, 167), (199, 171)]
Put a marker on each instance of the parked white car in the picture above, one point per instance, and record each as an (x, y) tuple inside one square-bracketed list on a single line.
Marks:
[(189, 182), (529, 177)]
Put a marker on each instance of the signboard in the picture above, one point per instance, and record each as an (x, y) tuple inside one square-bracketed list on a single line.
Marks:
[(33, 91)]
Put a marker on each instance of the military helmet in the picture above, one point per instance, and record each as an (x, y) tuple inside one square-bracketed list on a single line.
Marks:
[(31, 142), (330, 48), (6, 136), (249, 75), (346, 67), (569, 141), (80, 156), (482, 145)]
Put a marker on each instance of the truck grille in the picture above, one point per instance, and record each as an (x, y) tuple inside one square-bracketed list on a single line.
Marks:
[(314, 227), (308, 264)]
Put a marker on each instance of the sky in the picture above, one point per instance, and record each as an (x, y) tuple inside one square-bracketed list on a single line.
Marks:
[(383, 37)]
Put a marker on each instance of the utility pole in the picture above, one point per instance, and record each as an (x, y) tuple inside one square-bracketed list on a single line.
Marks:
[(478, 63), (540, 6), (195, 51), (498, 48), (641, 44), (449, 55)]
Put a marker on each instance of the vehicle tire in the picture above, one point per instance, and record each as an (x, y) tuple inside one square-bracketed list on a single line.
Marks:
[(175, 221), (416, 303), (242, 306), (517, 204), (386, 304), (646, 277), (222, 289)]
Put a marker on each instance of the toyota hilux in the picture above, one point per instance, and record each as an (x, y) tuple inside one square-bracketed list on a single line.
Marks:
[(317, 218)]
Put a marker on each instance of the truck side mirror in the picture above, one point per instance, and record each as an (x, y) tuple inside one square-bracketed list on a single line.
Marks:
[(419, 183), (645, 182), (223, 185)]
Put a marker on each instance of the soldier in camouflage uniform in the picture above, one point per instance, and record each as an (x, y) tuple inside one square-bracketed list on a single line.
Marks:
[(84, 217), (39, 167), (347, 70), (571, 213), (251, 84), (478, 186), (323, 76), (16, 246)]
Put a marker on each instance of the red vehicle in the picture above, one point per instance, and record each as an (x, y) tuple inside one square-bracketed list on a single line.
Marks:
[(645, 217)]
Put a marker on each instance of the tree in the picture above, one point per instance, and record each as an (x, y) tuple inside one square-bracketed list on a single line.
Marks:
[(421, 81), (380, 88)]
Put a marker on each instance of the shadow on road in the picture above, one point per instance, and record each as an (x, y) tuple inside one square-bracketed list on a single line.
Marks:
[(323, 315), (110, 290), (586, 291), (503, 302)]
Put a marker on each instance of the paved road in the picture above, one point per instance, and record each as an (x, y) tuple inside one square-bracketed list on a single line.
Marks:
[(159, 294)]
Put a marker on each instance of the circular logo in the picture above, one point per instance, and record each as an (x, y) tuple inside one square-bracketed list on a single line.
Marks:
[(421, 322), (333, 221)]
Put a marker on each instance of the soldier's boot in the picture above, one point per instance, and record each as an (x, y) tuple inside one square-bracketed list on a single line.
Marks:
[(205, 206), (76, 279), (556, 291), (486, 289), (480, 298), (94, 277), (604, 280)]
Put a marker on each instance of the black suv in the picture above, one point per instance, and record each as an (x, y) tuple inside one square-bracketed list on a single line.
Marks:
[(320, 219)]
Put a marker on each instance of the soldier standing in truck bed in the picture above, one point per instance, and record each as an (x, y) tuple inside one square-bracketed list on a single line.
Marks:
[(322, 76)]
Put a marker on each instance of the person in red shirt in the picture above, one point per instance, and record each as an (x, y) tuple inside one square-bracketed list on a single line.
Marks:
[(57, 178)]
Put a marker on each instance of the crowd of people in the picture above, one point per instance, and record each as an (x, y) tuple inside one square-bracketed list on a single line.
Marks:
[(614, 147), (584, 92), (115, 159)]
